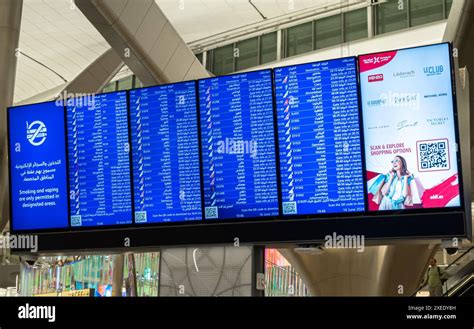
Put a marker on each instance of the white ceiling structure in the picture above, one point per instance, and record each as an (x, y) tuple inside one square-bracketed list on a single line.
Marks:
[(197, 19), (57, 35), (58, 42)]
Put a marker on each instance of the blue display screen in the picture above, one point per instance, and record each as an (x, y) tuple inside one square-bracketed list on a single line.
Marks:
[(165, 150), (38, 167), (238, 146), (319, 138), (99, 162)]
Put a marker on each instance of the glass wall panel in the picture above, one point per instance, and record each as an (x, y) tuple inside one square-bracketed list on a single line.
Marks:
[(268, 48), (328, 31), (247, 53), (425, 11), (392, 16), (138, 83), (223, 60), (355, 25), (110, 87), (125, 83), (299, 39)]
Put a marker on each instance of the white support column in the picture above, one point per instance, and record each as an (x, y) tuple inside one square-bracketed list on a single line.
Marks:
[(279, 43), (10, 22), (205, 58), (370, 21)]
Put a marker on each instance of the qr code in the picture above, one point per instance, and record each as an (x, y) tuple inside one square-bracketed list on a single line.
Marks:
[(76, 220), (211, 212), (140, 217), (289, 208), (433, 155)]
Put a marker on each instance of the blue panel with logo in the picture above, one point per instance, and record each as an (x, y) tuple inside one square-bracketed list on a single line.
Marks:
[(38, 169)]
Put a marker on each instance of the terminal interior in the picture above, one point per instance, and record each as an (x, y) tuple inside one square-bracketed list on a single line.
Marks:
[(55, 48)]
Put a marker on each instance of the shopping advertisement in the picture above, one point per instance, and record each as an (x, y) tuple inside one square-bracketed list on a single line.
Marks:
[(409, 129)]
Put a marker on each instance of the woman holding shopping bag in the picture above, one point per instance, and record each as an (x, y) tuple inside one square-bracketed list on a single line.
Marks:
[(393, 191)]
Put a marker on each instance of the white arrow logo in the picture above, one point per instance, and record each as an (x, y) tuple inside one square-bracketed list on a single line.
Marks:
[(36, 133)]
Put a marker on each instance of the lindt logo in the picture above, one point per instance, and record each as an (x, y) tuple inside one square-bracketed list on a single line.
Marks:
[(375, 77), (404, 74)]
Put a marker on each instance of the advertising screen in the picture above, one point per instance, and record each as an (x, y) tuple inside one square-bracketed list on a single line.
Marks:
[(238, 146), (165, 150), (99, 161), (38, 167), (409, 129), (319, 138)]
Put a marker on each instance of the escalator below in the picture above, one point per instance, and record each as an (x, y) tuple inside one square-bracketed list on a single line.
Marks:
[(461, 276), (464, 289), (460, 282)]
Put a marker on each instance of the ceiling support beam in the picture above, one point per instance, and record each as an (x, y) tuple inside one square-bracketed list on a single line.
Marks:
[(96, 76), (145, 40)]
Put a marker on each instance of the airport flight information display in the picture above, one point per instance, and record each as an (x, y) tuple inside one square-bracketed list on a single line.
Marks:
[(165, 152), (238, 146), (319, 138), (99, 161), (38, 167), (275, 155)]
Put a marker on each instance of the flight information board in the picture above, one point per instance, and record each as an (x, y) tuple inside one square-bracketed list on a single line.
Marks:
[(238, 146), (165, 153), (99, 161), (319, 138), (38, 168)]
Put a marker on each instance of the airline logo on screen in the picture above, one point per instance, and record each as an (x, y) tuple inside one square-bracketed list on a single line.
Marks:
[(36, 132), (370, 62)]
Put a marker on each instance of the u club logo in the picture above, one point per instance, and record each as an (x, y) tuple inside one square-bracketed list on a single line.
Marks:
[(36, 132)]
